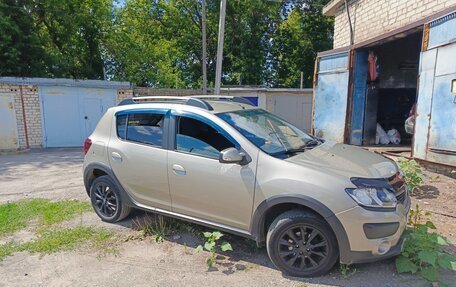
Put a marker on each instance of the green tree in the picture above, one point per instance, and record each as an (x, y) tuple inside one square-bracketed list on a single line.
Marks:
[(73, 32), (303, 32), (21, 52), (249, 28)]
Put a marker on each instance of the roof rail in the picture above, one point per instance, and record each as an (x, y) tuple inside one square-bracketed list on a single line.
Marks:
[(195, 101)]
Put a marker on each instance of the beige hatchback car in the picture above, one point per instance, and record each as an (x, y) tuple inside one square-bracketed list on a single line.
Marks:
[(226, 164)]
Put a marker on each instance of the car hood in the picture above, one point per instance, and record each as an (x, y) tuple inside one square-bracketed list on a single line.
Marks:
[(345, 160)]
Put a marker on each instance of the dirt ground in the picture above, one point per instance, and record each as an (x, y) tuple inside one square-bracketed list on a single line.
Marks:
[(57, 174)]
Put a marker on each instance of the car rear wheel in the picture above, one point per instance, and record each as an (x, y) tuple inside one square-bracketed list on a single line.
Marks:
[(302, 244), (106, 200)]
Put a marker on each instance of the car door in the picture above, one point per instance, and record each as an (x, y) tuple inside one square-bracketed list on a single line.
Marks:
[(138, 156), (200, 185)]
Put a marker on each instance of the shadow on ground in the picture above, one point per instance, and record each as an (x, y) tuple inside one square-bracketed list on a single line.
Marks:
[(246, 255), (41, 158), (426, 192)]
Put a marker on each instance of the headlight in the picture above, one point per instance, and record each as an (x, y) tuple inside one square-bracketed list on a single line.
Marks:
[(373, 197)]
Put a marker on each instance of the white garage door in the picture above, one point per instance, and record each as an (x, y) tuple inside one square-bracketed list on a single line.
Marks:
[(295, 109), (71, 114), (8, 128)]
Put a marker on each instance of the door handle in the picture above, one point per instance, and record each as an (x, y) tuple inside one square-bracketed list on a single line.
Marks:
[(116, 157), (179, 170)]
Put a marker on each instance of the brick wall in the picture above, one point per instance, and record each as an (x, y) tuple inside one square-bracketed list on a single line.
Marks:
[(372, 18), (123, 94)]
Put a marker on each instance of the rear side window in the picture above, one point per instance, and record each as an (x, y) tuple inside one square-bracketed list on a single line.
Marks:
[(121, 125), (144, 128)]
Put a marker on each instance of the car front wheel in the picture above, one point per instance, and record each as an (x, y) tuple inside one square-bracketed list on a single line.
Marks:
[(302, 244)]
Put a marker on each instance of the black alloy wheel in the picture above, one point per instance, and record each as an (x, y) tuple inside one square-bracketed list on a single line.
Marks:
[(107, 200), (301, 243)]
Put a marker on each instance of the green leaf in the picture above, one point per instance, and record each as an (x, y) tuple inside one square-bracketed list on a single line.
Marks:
[(207, 234), (428, 257), (210, 262), (209, 246), (225, 246), (217, 235), (430, 225), (430, 274), (442, 240), (198, 249), (447, 261), (404, 265)]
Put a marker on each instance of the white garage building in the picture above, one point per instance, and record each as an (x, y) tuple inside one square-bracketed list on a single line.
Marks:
[(36, 112)]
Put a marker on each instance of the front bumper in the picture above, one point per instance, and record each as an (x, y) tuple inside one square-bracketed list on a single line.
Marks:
[(372, 245), (367, 256)]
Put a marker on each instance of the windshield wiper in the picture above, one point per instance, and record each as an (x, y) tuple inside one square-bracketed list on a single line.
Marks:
[(312, 143), (290, 151)]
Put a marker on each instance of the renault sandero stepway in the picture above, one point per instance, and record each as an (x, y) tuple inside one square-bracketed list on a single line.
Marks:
[(227, 164)]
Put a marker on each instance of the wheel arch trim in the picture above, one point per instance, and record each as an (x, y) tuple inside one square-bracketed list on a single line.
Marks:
[(259, 219), (88, 175)]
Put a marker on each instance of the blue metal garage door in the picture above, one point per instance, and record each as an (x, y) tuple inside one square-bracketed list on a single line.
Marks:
[(70, 114), (435, 132), (330, 96)]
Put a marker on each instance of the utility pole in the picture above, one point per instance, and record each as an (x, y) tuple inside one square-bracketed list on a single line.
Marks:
[(204, 61), (302, 80), (221, 34)]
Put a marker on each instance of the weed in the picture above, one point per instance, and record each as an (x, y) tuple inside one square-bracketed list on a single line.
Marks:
[(161, 226), (51, 241), (346, 271), (17, 215), (158, 227), (412, 172), (211, 245), (7, 249), (423, 250), (104, 242)]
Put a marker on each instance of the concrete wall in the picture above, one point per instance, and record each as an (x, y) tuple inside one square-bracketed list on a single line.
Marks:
[(371, 18)]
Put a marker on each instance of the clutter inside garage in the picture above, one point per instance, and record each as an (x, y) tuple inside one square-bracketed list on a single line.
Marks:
[(391, 92)]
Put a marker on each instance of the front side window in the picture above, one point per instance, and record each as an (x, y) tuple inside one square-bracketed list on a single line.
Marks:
[(268, 132), (144, 128), (196, 137)]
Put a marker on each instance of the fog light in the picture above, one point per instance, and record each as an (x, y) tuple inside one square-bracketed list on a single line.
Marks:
[(383, 247)]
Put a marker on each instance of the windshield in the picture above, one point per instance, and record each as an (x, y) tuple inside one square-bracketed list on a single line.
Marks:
[(268, 132)]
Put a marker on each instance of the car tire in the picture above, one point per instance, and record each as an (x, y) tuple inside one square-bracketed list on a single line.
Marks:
[(294, 252), (107, 200)]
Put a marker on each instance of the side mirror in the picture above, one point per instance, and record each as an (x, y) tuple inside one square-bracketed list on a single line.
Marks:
[(232, 155)]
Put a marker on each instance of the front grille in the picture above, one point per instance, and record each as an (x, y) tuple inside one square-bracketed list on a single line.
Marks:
[(397, 182), (401, 197)]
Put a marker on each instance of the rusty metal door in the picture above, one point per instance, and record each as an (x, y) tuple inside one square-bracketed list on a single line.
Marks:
[(330, 96), (8, 125)]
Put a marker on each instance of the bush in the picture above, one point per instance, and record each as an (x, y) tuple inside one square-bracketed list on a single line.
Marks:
[(412, 172), (423, 250)]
